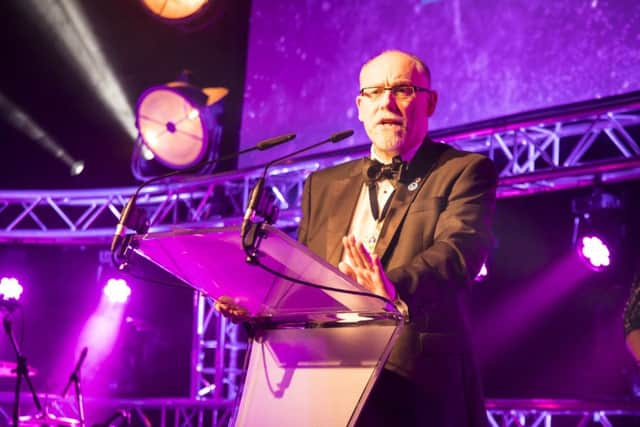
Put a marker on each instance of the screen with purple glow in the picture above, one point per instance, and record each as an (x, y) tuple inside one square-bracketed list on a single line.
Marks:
[(487, 58)]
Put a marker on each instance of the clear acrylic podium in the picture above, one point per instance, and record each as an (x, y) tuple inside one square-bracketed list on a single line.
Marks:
[(315, 353)]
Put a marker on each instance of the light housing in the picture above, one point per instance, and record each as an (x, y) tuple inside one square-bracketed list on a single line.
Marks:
[(178, 127), (598, 229)]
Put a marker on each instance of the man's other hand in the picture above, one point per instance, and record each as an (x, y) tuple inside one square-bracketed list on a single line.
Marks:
[(366, 269), (228, 307)]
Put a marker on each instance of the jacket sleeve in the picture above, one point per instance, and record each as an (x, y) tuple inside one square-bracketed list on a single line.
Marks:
[(631, 313), (461, 240)]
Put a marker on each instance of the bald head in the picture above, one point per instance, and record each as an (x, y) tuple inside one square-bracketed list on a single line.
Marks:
[(419, 63)]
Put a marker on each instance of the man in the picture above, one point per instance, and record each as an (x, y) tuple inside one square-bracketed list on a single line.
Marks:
[(418, 237), (632, 318)]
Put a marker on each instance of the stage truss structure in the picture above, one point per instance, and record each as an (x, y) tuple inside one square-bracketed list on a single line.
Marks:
[(165, 412), (564, 147), (577, 145)]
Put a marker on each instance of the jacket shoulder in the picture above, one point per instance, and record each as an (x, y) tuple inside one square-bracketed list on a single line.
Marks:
[(343, 170)]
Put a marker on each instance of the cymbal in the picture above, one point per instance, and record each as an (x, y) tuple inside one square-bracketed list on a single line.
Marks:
[(46, 419), (10, 369)]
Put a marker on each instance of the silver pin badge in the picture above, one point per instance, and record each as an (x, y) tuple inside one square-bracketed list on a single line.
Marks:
[(414, 185)]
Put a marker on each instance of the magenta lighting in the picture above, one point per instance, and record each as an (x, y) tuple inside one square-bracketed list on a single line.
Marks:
[(594, 252), (10, 288), (482, 274), (117, 290)]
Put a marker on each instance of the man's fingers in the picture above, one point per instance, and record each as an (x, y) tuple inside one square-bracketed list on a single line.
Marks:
[(365, 255), (229, 308), (352, 253), (357, 252), (346, 269)]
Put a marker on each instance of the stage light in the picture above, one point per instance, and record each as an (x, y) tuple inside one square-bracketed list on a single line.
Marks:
[(595, 251), (117, 290), (175, 9), (21, 121), (10, 288), (598, 229), (178, 126)]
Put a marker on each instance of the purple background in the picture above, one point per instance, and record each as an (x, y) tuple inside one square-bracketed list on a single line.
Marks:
[(488, 59)]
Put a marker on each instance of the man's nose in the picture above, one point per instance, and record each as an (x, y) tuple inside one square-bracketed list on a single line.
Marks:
[(388, 100)]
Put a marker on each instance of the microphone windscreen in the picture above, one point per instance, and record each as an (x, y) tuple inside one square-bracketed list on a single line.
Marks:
[(272, 142), (339, 136)]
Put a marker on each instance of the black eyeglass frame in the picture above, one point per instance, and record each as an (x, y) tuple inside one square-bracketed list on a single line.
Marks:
[(391, 89)]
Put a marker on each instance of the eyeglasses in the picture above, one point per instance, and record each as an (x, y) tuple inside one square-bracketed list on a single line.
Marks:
[(400, 92)]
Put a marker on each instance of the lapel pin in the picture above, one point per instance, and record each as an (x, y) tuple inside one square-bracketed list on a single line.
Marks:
[(414, 185)]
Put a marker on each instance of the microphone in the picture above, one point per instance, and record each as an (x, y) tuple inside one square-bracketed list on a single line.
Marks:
[(256, 193), (124, 221), (339, 136), (272, 142), (74, 375)]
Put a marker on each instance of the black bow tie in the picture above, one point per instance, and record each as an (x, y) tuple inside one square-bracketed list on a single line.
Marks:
[(376, 171)]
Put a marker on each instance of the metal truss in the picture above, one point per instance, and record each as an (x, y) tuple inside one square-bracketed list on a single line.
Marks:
[(218, 351), (165, 412), (156, 412), (543, 413), (544, 150)]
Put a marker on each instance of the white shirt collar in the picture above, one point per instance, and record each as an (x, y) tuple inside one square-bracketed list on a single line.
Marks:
[(407, 157)]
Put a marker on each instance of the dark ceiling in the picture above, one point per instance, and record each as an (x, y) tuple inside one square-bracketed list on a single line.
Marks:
[(38, 76)]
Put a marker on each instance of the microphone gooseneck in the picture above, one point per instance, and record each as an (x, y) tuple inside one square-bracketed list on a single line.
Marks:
[(130, 205), (256, 193)]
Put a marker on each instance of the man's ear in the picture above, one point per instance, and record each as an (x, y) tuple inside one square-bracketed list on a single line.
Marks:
[(358, 102), (433, 100)]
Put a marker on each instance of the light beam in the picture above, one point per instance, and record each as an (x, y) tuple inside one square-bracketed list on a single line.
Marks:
[(69, 24)]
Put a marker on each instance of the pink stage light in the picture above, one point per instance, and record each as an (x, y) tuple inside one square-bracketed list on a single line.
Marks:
[(117, 290), (10, 288), (594, 252)]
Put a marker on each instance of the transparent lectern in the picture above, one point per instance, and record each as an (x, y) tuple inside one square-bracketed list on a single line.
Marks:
[(315, 352)]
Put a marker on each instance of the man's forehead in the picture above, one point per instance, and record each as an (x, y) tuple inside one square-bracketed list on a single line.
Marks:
[(391, 66)]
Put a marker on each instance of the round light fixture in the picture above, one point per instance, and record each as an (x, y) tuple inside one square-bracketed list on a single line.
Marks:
[(178, 124), (175, 9)]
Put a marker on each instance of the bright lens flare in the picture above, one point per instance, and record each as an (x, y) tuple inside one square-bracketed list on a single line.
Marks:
[(10, 288), (595, 251), (482, 274), (117, 290), (193, 114)]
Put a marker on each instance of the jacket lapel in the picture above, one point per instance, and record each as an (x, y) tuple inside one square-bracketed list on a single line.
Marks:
[(407, 189), (341, 206)]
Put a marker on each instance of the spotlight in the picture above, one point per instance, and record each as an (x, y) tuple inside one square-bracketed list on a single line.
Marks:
[(598, 229), (595, 251), (117, 290), (24, 123), (10, 289), (175, 10), (178, 128)]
